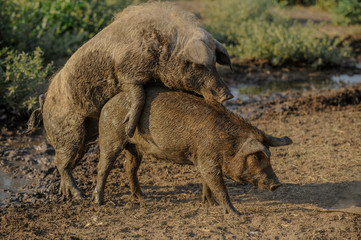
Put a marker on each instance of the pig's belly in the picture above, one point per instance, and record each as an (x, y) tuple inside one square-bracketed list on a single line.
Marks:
[(170, 155)]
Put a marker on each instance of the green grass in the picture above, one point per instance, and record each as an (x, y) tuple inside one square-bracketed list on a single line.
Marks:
[(256, 30)]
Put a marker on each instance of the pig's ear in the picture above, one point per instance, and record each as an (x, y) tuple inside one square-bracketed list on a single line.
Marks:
[(276, 142), (198, 52), (252, 146), (222, 55)]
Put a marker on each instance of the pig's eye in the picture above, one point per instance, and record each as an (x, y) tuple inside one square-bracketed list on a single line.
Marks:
[(258, 158)]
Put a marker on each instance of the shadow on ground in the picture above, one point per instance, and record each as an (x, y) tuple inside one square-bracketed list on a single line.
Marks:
[(325, 195)]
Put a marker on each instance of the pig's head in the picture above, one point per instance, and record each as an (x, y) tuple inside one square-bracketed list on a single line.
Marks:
[(252, 163), (199, 73)]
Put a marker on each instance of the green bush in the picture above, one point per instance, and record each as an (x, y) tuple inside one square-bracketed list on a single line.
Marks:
[(325, 4), (255, 29), (347, 12), (294, 2), (23, 77), (58, 27)]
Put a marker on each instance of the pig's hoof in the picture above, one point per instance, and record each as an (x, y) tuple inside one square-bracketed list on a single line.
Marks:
[(138, 195), (97, 199), (232, 211), (210, 200), (68, 193), (78, 195), (129, 130), (126, 119)]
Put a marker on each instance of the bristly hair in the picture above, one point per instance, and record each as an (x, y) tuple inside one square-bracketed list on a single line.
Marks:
[(158, 10), (227, 120), (236, 119)]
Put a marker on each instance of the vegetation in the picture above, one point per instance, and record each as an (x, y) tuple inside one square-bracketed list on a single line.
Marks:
[(323, 3), (254, 29), (22, 80), (35, 33), (345, 12), (39, 31), (57, 27)]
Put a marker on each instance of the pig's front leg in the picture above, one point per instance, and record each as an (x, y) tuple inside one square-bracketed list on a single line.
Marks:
[(212, 176), (208, 196), (136, 95)]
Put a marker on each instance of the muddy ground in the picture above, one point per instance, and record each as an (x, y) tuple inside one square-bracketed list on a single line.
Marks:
[(321, 175), (320, 198)]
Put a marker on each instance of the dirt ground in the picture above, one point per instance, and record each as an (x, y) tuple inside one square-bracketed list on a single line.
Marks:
[(320, 198), (321, 175)]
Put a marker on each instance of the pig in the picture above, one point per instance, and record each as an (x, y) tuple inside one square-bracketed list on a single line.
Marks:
[(151, 44), (183, 128)]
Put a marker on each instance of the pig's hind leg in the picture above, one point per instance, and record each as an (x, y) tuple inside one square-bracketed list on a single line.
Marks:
[(111, 143), (136, 95), (66, 158), (132, 163)]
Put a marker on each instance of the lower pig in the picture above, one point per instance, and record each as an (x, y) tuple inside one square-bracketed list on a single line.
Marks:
[(183, 128)]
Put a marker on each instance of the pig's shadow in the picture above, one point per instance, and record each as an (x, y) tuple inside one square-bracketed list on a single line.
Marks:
[(173, 193), (324, 195)]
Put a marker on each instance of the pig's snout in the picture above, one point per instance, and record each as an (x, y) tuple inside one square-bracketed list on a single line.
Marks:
[(269, 184), (211, 95), (275, 185), (228, 95), (223, 96)]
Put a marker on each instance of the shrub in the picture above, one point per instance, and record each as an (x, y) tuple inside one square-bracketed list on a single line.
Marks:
[(325, 4), (254, 29), (294, 2), (23, 77), (347, 12), (58, 27)]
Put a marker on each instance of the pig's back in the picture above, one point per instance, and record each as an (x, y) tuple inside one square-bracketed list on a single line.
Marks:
[(173, 125), (175, 119)]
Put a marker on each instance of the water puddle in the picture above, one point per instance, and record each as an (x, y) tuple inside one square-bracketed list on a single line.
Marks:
[(9, 184), (248, 92), (358, 65), (16, 151)]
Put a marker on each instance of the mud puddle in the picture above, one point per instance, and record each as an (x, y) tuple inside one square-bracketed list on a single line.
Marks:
[(22, 158), (248, 92), (9, 184)]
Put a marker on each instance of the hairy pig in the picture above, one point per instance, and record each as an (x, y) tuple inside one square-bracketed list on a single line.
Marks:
[(183, 128)]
